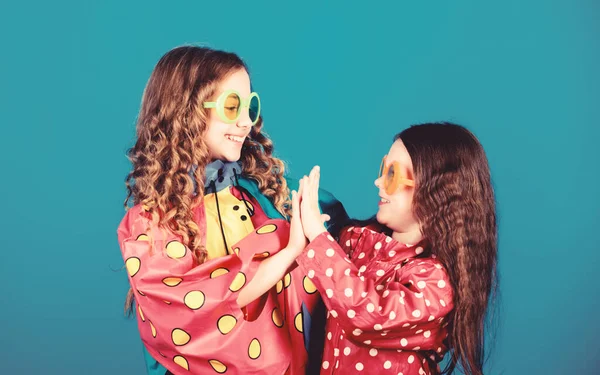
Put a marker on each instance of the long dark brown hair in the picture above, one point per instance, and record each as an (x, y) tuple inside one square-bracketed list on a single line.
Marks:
[(170, 144), (454, 202)]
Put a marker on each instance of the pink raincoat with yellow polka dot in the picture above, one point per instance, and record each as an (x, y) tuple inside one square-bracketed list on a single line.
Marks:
[(188, 316), (387, 303)]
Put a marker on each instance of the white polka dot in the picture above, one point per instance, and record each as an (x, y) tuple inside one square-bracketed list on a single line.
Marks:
[(359, 366), (416, 313), (421, 284), (418, 250), (438, 266), (373, 352), (387, 365), (402, 293), (311, 274), (439, 350), (427, 302), (423, 270), (398, 266), (419, 331), (347, 272), (413, 327), (346, 351), (443, 303), (370, 307), (378, 246), (336, 352), (386, 293), (427, 334), (329, 293), (392, 315), (348, 243), (404, 342), (328, 335), (368, 342), (411, 359), (441, 284), (330, 252), (431, 318), (350, 229), (363, 294), (401, 300), (405, 325), (333, 313), (362, 278), (417, 348), (419, 295), (329, 272), (380, 273), (310, 253), (388, 279), (377, 327), (388, 239), (362, 269), (325, 365), (357, 332), (351, 313), (379, 288), (361, 255), (348, 292), (392, 253), (330, 238), (380, 308), (337, 364)]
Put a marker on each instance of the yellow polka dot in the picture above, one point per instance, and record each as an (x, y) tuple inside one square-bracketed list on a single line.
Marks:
[(167, 302), (140, 292), (133, 265), (142, 237), (181, 362), (141, 313), (217, 366), (279, 286), (287, 279), (218, 272), (180, 337), (175, 250), (238, 282), (194, 299), (269, 228), (226, 323), (172, 281), (236, 251), (254, 349), (277, 318), (261, 255), (298, 322), (309, 287), (152, 329)]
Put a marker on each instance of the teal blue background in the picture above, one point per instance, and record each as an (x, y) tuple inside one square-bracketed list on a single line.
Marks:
[(337, 81)]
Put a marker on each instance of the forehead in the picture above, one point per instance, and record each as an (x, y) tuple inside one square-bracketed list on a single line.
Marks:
[(238, 81), (399, 153)]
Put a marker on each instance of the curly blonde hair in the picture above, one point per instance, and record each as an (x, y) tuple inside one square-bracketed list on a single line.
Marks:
[(170, 142)]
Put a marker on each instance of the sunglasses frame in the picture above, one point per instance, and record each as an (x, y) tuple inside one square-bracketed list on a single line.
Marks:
[(219, 105), (390, 188)]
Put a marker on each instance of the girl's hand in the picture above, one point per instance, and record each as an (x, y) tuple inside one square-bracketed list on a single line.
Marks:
[(312, 220), (297, 240)]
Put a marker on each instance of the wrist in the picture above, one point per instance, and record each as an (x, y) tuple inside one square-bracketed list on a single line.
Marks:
[(316, 233)]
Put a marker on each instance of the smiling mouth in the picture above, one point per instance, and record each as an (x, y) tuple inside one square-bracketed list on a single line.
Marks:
[(235, 138), (384, 200)]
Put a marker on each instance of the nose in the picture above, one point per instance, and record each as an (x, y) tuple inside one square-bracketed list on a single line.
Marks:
[(244, 120), (377, 182)]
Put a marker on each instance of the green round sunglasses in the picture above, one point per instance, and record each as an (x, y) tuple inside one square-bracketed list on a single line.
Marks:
[(230, 103)]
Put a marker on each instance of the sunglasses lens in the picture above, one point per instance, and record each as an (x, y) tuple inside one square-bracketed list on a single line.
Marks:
[(231, 107), (254, 108)]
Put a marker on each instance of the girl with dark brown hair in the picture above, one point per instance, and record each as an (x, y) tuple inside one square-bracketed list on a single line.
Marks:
[(416, 283)]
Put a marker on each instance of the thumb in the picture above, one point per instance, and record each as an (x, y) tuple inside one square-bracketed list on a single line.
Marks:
[(325, 218)]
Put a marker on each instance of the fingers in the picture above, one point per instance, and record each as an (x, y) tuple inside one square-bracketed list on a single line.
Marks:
[(325, 218)]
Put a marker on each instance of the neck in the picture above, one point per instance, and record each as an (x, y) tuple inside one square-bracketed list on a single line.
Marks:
[(410, 237)]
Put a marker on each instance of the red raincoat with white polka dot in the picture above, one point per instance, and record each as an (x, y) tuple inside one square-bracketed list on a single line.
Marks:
[(387, 303)]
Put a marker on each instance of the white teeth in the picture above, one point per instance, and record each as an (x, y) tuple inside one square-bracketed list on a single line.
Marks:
[(234, 138), (385, 200)]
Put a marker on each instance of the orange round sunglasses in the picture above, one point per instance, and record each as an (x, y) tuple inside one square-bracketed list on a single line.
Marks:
[(392, 178)]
